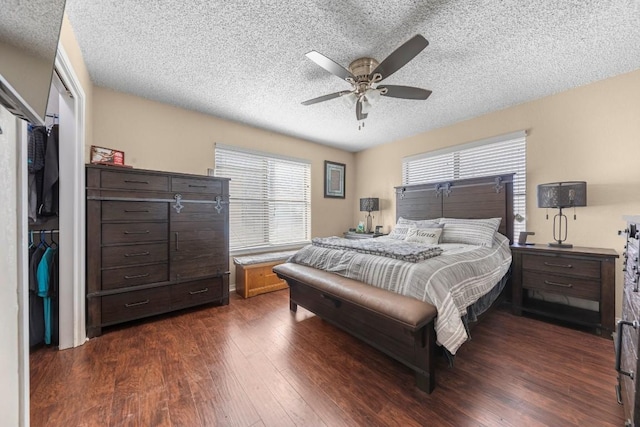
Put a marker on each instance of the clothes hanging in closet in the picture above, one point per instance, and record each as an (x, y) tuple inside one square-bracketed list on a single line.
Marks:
[(36, 306), (43, 293), (43, 168), (51, 173), (36, 147)]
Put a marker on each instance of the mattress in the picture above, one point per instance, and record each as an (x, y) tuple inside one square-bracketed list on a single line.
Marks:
[(451, 281)]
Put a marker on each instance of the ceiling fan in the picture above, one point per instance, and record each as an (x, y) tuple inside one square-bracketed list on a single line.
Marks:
[(366, 74)]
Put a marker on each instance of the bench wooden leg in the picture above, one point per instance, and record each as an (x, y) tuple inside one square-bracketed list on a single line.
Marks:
[(425, 382), (425, 357)]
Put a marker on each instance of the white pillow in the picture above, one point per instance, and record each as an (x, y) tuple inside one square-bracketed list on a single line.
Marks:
[(429, 236), (470, 231), (399, 232)]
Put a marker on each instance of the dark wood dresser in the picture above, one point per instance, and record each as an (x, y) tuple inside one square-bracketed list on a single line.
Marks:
[(586, 273), (627, 333), (156, 242)]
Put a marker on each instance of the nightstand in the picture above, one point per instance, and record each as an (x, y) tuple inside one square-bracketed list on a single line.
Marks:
[(354, 235), (586, 273)]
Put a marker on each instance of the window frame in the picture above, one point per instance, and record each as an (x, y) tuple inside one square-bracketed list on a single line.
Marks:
[(267, 200), (451, 159)]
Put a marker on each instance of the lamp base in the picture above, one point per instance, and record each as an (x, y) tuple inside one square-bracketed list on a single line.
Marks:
[(560, 245)]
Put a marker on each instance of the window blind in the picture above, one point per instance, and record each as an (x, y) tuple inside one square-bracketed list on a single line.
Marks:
[(270, 198), (503, 154)]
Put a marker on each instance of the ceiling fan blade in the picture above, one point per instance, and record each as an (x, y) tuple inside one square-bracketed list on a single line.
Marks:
[(400, 57), (326, 97), (359, 114), (406, 92), (330, 65)]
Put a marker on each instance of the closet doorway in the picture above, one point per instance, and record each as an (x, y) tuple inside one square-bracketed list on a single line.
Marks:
[(66, 110)]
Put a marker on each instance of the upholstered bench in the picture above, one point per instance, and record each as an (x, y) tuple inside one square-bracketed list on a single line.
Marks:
[(400, 326), (254, 275)]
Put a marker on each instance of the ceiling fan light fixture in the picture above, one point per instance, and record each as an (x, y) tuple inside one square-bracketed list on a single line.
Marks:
[(365, 73), (349, 99), (366, 105)]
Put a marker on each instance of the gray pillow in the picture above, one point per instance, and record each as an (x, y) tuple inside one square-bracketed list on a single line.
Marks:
[(470, 231)]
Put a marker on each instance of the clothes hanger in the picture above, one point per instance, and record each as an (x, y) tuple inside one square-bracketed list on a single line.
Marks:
[(30, 239), (53, 244), (43, 241)]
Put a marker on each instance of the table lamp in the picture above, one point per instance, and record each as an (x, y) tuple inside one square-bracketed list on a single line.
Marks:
[(561, 195), (369, 204)]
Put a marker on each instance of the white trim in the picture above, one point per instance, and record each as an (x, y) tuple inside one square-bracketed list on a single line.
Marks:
[(467, 145), (76, 228), (260, 153), (23, 272)]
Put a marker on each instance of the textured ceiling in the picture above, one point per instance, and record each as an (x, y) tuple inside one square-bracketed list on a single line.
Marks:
[(245, 61)]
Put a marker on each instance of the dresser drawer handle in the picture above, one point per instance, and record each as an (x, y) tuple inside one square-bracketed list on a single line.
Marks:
[(134, 304), (550, 264), (563, 285), (137, 254), (137, 232), (133, 181), (137, 276), (197, 186), (201, 291), (136, 210), (622, 323)]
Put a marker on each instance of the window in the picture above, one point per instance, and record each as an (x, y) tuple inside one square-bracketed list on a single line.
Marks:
[(502, 154), (270, 199)]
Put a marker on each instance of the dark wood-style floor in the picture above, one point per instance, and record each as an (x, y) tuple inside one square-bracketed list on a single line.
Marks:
[(254, 363)]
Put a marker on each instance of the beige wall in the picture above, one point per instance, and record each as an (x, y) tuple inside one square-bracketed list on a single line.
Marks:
[(591, 133), (158, 136)]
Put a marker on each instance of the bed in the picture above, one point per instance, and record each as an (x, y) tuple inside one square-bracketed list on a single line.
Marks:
[(383, 300)]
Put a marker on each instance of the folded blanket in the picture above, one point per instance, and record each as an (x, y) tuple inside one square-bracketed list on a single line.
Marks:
[(410, 252)]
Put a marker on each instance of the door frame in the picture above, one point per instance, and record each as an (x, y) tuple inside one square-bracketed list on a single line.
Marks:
[(72, 197)]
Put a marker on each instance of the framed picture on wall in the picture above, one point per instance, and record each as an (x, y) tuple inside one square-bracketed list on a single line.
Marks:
[(334, 179)]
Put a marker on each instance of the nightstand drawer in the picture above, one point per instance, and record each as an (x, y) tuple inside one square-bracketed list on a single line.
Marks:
[(562, 265), (570, 286)]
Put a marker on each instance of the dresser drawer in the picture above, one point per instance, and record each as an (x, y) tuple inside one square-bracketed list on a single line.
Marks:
[(133, 276), (133, 181), (562, 265), (630, 307), (134, 305), (570, 286), (134, 232), (196, 185), (122, 256), (196, 292), (134, 211)]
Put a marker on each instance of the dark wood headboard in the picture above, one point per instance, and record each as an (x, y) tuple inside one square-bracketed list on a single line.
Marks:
[(473, 198)]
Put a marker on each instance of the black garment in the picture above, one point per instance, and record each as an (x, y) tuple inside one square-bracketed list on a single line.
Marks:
[(50, 176), (36, 149), (53, 294), (36, 306)]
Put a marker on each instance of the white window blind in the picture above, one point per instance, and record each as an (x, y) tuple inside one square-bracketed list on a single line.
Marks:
[(270, 198), (503, 154)]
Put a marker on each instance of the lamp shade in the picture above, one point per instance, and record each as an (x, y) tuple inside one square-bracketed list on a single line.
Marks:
[(562, 194), (369, 204)]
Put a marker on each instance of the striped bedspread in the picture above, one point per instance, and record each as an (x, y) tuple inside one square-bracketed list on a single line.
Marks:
[(451, 281)]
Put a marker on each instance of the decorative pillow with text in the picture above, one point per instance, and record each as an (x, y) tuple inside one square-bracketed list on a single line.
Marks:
[(429, 236), (399, 232)]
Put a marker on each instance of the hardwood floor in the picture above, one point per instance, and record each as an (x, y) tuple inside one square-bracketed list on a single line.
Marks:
[(254, 363)]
